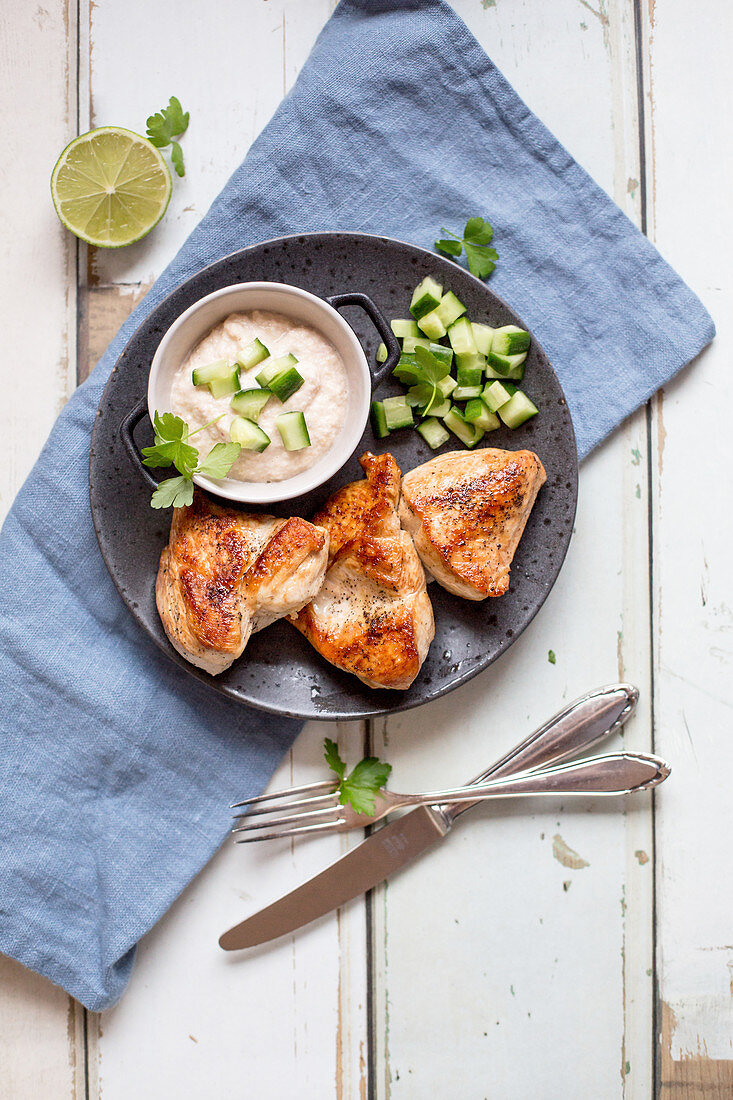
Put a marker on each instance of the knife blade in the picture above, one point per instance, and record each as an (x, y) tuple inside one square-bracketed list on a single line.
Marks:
[(575, 729), (375, 859)]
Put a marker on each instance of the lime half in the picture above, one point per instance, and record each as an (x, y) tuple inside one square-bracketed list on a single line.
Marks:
[(110, 187)]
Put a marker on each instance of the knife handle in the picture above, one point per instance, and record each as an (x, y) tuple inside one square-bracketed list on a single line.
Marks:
[(573, 730)]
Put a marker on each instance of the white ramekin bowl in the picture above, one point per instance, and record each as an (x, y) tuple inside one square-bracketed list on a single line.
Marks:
[(199, 319)]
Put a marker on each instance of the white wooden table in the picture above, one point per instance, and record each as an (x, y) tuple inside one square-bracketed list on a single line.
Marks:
[(500, 966)]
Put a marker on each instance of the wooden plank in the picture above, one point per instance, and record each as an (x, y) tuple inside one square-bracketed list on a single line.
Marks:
[(503, 944), (198, 1022), (263, 43), (38, 377), (692, 540), (42, 1049)]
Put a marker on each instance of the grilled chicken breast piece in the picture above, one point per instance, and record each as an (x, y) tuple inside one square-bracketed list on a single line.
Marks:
[(226, 574), (373, 616), (466, 511)]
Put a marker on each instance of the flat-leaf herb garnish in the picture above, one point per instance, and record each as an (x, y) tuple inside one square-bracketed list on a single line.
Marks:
[(172, 448), (422, 376), (364, 781), (476, 239), (165, 125)]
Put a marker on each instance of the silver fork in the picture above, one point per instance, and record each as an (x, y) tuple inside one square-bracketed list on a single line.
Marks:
[(613, 774), (574, 730)]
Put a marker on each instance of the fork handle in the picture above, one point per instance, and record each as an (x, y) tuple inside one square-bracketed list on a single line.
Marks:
[(616, 773), (571, 731)]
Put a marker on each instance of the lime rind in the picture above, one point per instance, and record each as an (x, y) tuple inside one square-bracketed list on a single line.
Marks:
[(110, 187)]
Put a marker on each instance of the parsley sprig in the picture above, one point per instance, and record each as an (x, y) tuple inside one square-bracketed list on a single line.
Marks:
[(172, 448), (165, 125), (360, 786), (422, 376), (477, 237)]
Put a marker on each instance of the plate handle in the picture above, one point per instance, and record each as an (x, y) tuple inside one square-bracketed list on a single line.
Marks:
[(127, 427), (381, 370)]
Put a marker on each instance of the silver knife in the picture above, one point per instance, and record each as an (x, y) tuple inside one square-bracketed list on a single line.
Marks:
[(573, 730)]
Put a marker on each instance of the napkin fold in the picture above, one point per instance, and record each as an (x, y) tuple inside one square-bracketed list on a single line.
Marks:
[(116, 767)]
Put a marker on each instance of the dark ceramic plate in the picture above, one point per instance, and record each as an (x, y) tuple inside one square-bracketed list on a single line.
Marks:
[(279, 670)]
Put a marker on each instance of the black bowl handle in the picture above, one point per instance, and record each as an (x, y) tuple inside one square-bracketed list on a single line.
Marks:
[(381, 370), (127, 427)]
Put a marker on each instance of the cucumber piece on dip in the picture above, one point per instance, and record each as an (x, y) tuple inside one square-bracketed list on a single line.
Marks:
[(248, 435)]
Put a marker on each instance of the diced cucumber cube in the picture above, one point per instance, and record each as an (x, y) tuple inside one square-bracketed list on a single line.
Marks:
[(470, 376), (461, 338), (450, 309), (482, 335), (433, 433), (516, 373), (221, 377), (379, 420), (407, 369), (441, 353), (274, 367), (425, 297), (286, 383), (201, 376), (432, 325), (382, 353), (402, 328), (495, 395), (411, 342), (222, 387), (250, 403), (397, 413), (253, 354), (477, 413), (510, 340), (471, 359), (469, 434), (505, 364), (248, 435), (293, 431), (517, 410), (447, 385), (465, 393)]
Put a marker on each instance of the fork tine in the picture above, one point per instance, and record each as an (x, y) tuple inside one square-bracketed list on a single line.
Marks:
[(290, 819), (300, 831), (286, 794), (325, 798)]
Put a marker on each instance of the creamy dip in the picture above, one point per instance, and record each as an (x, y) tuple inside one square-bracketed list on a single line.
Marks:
[(322, 397)]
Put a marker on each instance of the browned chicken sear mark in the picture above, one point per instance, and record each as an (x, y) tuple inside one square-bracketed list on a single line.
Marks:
[(372, 617), (467, 511), (225, 574)]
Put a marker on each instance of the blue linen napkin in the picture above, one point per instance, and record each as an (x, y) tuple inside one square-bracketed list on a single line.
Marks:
[(116, 766)]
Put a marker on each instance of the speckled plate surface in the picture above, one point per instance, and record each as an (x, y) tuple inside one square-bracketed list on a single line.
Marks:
[(279, 671)]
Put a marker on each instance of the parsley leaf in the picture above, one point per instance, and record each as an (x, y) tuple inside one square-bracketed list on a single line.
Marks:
[(451, 248), (174, 452), (176, 492), (169, 426), (164, 126), (361, 785), (477, 236), (172, 448), (429, 371), (177, 158), (333, 758), (219, 460)]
